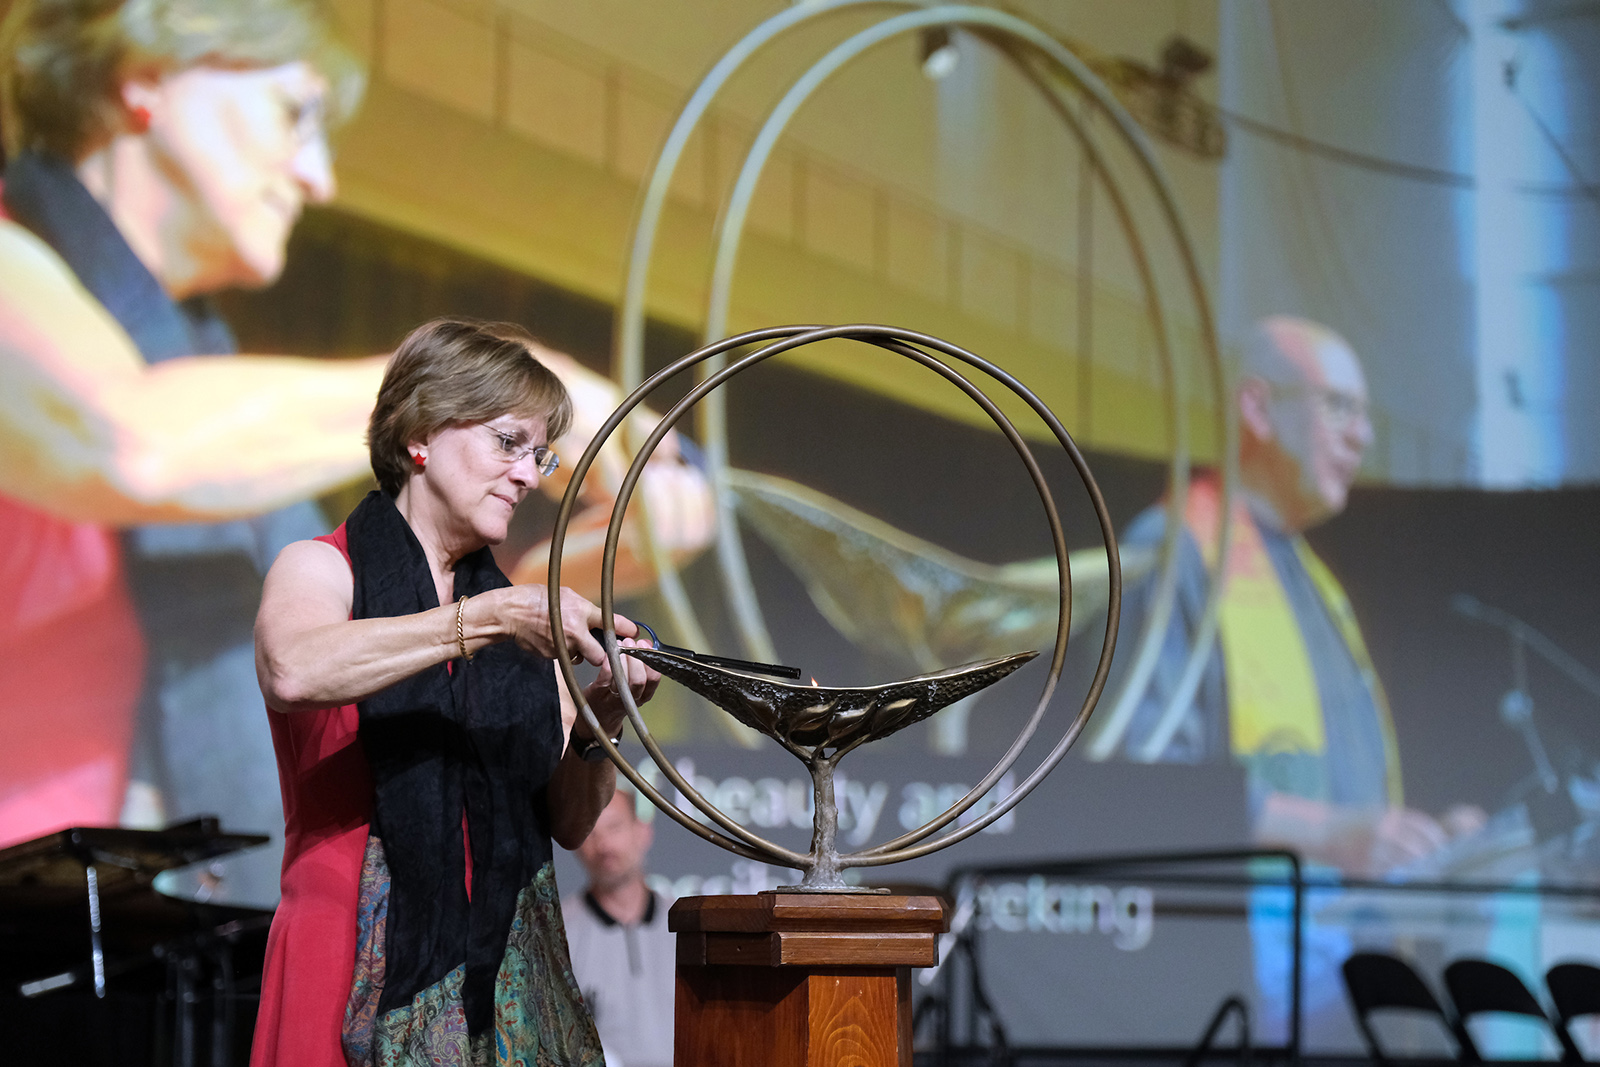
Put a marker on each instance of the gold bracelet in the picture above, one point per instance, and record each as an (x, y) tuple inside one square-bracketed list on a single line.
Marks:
[(461, 632)]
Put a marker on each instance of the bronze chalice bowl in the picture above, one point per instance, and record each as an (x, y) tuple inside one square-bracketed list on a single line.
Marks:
[(820, 724)]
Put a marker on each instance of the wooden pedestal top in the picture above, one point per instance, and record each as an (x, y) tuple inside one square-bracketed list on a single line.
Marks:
[(768, 912), (808, 929)]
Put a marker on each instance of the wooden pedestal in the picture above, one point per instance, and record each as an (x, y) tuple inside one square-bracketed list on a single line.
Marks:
[(799, 979)]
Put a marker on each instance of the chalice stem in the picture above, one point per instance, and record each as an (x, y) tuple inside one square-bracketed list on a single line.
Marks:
[(824, 871)]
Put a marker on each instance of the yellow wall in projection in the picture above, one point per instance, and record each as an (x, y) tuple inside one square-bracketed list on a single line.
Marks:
[(489, 130)]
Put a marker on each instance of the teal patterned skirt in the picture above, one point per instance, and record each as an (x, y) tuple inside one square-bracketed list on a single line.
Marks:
[(540, 1019)]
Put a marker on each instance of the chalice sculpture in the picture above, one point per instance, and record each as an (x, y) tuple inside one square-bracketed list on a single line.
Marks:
[(821, 724)]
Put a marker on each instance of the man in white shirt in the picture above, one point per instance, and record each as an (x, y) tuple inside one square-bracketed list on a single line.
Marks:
[(622, 953)]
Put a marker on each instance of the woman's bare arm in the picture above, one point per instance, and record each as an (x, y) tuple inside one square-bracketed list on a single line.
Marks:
[(580, 790), (92, 432), (310, 654)]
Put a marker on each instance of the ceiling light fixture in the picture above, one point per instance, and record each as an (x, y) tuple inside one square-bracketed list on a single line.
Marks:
[(939, 52)]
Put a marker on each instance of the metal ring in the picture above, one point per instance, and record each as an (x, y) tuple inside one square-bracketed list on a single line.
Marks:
[(904, 343), (734, 570)]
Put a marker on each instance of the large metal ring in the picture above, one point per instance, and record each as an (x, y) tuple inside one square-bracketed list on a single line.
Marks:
[(914, 346), (1006, 32)]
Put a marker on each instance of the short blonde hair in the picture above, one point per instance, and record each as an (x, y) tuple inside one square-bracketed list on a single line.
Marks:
[(452, 371), (64, 61)]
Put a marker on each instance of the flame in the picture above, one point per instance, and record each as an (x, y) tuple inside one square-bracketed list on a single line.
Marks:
[(813, 681)]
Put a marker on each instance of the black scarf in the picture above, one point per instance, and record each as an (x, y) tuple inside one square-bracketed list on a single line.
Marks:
[(482, 738)]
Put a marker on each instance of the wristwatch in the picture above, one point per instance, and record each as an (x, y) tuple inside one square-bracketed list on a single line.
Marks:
[(590, 750)]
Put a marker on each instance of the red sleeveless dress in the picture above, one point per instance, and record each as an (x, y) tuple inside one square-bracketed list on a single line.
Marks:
[(311, 950)]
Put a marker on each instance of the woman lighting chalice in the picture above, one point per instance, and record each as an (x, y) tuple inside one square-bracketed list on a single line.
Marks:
[(427, 751)]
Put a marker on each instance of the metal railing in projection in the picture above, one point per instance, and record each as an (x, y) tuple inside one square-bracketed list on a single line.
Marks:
[(1455, 917)]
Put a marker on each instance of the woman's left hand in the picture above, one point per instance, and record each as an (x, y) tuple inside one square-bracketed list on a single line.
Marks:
[(603, 697), (580, 789)]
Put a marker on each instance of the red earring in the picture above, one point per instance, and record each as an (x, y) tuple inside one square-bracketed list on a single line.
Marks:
[(420, 460), (140, 116)]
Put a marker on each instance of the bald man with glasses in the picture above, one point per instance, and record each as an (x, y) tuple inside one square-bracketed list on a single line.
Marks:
[(1289, 691)]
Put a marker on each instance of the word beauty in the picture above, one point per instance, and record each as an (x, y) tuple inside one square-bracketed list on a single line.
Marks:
[(774, 803)]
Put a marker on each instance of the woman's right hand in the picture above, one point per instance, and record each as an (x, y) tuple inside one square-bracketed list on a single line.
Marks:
[(524, 614)]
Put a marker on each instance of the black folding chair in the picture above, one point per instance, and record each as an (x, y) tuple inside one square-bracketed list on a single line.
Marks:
[(1478, 986), (1377, 981), (1574, 990)]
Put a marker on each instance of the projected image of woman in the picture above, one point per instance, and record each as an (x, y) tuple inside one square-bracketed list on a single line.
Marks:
[(159, 151), (410, 691)]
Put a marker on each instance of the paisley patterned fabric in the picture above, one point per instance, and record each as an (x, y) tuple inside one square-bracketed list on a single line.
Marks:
[(540, 1019), (372, 915), (539, 1015), (432, 1030)]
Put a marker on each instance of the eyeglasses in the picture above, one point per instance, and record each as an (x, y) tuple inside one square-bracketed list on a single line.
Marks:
[(510, 451), (306, 117), (1343, 410)]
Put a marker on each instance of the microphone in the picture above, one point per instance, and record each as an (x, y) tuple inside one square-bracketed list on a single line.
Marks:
[(1516, 707), (1476, 610), (1525, 635)]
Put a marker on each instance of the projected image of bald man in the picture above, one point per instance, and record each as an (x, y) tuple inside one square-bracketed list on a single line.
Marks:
[(1289, 690)]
